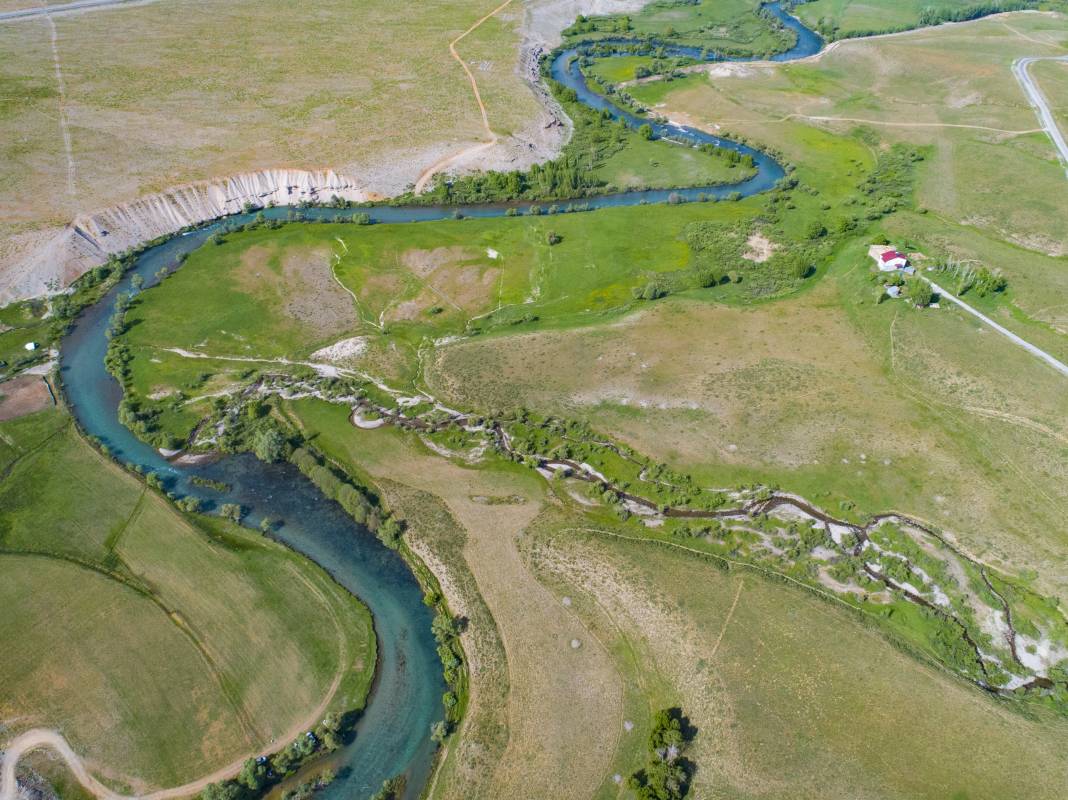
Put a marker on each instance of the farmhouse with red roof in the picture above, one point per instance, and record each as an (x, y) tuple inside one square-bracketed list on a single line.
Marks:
[(892, 260)]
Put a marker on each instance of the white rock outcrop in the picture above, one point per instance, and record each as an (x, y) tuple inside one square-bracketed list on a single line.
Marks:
[(51, 265), (126, 225)]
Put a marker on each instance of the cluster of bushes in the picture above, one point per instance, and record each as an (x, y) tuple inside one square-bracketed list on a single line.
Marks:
[(209, 483), (356, 501), (446, 629), (117, 361), (392, 789), (584, 25), (730, 155), (308, 788), (292, 215), (936, 16), (141, 420), (915, 288), (972, 277), (659, 66), (250, 428), (258, 775), (920, 292), (950, 642), (889, 185), (688, 530), (667, 772), (560, 178), (117, 322), (87, 289), (570, 440), (716, 258), (189, 504)]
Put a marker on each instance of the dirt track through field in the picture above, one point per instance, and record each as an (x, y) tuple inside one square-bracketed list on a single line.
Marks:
[(727, 620), (444, 163)]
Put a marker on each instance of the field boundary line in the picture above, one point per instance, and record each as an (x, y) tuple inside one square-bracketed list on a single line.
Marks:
[(24, 452), (112, 542), (438, 166)]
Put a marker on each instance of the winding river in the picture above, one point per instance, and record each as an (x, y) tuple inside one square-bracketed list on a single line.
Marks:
[(393, 734)]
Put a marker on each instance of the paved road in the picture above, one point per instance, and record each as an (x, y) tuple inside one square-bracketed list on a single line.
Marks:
[(1060, 366), (1020, 68), (64, 8)]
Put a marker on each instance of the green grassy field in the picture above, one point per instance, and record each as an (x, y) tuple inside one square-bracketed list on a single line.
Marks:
[(163, 647), (618, 69), (977, 123), (844, 18), (715, 24), (647, 164)]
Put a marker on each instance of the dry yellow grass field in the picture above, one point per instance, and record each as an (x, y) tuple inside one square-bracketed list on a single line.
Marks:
[(200, 90)]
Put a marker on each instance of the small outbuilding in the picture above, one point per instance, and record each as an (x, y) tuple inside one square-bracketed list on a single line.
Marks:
[(31, 346)]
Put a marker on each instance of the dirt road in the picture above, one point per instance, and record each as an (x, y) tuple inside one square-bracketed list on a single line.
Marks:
[(444, 163)]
